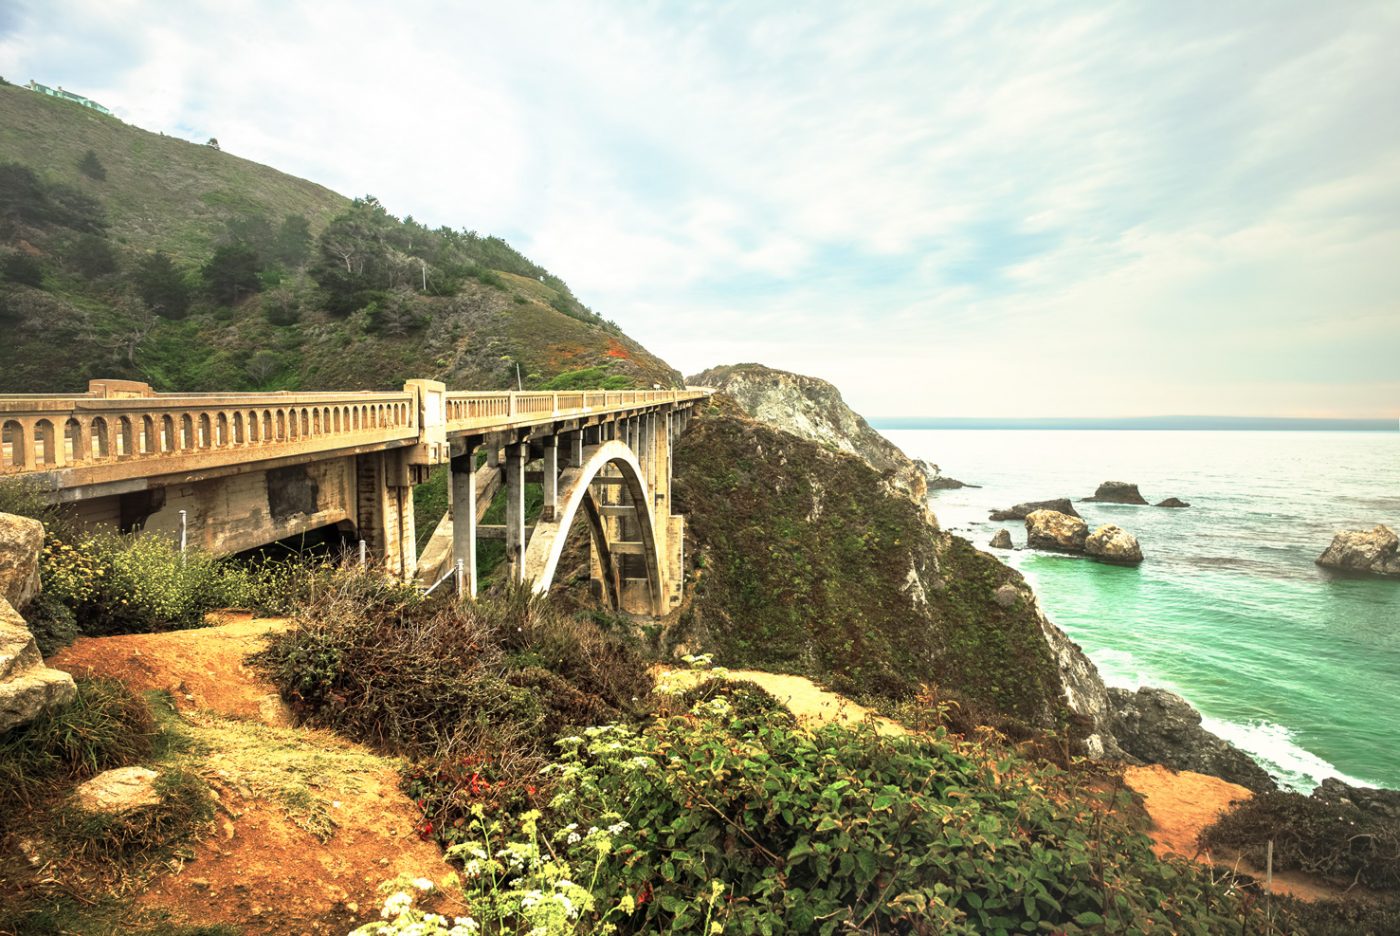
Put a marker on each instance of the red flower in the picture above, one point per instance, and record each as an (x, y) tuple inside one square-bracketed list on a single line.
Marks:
[(644, 894)]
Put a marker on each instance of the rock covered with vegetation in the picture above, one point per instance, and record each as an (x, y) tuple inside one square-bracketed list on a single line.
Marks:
[(806, 564), (1372, 552), (813, 409)]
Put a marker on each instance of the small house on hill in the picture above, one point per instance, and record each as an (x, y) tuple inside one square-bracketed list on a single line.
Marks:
[(67, 96)]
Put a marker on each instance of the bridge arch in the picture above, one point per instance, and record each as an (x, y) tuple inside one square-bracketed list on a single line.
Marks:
[(546, 546)]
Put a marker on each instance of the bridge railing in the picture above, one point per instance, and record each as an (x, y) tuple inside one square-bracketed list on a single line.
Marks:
[(468, 410), (86, 431)]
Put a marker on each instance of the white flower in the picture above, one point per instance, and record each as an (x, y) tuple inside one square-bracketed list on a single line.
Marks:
[(396, 904), (423, 884)]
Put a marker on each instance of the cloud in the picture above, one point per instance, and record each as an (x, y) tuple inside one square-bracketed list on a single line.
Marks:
[(1131, 210)]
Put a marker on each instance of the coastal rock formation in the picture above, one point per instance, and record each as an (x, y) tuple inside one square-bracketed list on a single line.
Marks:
[(941, 482), (1113, 544), (813, 409), (1117, 492), (1050, 529), (1021, 511), (21, 542), (1001, 540), (1374, 552), (1173, 502), (1160, 727), (1382, 804)]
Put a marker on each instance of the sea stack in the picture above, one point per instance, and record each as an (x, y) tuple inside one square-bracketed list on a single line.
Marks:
[(1022, 511), (1117, 492), (1050, 529), (1113, 544), (1173, 502), (1371, 552), (1001, 540)]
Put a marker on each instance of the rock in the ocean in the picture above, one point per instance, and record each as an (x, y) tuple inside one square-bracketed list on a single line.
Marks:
[(1022, 511), (1050, 529), (1113, 544), (1374, 552), (1173, 502), (119, 790), (21, 542), (945, 483), (1160, 727), (1117, 492), (1383, 804), (1001, 540)]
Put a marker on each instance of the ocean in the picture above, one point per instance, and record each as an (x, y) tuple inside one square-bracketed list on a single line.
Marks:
[(1297, 666)]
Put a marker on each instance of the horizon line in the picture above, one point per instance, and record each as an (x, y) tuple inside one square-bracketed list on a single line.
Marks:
[(1295, 423)]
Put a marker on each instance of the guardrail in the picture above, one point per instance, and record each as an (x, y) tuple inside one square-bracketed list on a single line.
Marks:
[(468, 410)]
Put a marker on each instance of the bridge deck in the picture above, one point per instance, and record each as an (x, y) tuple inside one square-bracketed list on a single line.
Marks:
[(100, 437)]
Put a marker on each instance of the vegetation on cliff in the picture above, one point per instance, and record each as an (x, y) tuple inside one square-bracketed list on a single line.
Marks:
[(196, 270), (806, 564)]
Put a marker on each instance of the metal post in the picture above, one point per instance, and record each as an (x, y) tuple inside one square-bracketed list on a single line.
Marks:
[(364, 553), (461, 579), (184, 535)]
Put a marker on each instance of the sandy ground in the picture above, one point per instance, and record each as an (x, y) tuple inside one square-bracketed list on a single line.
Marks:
[(309, 825), (802, 697)]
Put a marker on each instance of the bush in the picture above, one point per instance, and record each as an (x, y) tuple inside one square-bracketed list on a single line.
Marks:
[(1335, 841), (53, 623), (716, 822), (92, 256), (23, 269), (23, 497), (442, 679), (162, 286), (135, 584), (92, 167), (232, 273), (105, 726)]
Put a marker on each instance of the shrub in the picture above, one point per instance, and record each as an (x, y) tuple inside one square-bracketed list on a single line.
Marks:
[(162, 286), (1335, 841), (23, 497), (53, 623), (716, 822), (23, 269), (105, 726), (92, 256), (92, 167), (232, 273)]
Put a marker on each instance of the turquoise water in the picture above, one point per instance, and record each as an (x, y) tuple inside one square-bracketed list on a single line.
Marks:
[(1297, 666)]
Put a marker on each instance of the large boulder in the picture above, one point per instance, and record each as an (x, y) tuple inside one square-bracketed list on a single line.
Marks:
[(1117, 492), (118, 791), (1001, 539), (1022, 511), (21, 542), (1380, 803), (1160, 727), (1374, 552), (1050, 529), (27, 687), (1113, 544)]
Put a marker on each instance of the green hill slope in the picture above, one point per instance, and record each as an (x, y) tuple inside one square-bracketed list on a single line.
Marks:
[(125, 253)]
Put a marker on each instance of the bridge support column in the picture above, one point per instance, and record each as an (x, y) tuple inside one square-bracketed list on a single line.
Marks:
[(384, 511), (463, 484), (516, 455), (550, 477)]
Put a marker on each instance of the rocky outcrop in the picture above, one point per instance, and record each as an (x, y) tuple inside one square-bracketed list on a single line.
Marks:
[(21, 541), (1372, 552), (1382, 804), (1113, 544), (27, 686), (1173, 502), (1001, 540), (813, 409), (1117, 492), (1022, 511), (1050, 529), (1160, 727), (118, 791), (941, 482)]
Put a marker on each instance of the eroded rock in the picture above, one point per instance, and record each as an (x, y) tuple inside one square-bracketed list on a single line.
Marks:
[(1114, 544), (27, 687), (1160, 727), (1022, 511), (1051, 529), (1373, 552), (1001, 540), (21, 542), (1117, 492)]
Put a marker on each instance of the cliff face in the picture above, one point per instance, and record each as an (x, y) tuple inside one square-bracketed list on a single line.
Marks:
[(813, 409), (806, 563)]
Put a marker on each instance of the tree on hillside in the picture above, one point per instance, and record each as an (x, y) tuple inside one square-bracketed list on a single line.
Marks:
[(212, 143), (353, 256), (92, 256), (292, 247), (162, 286), (92, 167), (23, 269), (27, 199), (232, 273)]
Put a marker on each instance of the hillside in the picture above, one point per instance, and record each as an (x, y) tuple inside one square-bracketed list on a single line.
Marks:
[(125, 253)]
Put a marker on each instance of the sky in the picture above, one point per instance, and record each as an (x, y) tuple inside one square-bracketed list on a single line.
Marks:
[(951, 209)]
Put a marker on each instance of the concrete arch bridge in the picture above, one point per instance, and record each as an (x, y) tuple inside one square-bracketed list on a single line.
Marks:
[(231, 472)]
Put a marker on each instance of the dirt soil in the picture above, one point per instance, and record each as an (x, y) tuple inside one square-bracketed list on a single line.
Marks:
[(800, 695), (308, 825)]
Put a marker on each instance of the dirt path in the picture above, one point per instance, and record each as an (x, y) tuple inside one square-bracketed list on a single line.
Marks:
[(308, 824)]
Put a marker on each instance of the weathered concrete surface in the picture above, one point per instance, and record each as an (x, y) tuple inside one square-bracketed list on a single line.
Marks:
[(21, 542), (1050, 529), (1113, 544), (1373, 552)]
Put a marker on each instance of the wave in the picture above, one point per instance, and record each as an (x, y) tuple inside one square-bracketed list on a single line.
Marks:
[(1274, 747)]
